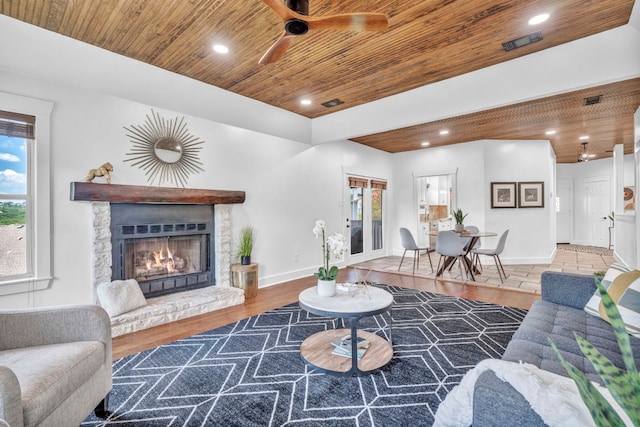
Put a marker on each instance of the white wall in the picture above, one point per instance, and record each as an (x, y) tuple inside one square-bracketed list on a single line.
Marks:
[(288, 184), (624, 240), (478, 164)]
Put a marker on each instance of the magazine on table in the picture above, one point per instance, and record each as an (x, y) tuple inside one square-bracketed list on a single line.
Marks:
[(345, 342), (339, 351), (342, 346)]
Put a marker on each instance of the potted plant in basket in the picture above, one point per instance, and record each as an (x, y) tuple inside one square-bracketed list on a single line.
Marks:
[(246, 240), (335, 244), (459, 216)]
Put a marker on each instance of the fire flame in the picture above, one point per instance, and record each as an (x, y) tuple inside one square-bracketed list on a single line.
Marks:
[(159, 260)]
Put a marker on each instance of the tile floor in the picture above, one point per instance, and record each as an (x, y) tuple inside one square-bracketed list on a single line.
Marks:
[(524, 277)]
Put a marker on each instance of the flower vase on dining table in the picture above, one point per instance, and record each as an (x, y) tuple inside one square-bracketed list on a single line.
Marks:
[(326, 288)]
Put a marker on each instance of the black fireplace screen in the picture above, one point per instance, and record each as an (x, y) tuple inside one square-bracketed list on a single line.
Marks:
[(166, 248), (155, 258)]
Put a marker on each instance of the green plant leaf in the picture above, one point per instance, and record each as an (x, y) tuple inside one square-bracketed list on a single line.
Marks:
[(246, 239), (620, 384), (600, 409), (622, 336)]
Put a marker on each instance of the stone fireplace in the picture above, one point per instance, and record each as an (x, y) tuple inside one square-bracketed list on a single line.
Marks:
[(168, 239)]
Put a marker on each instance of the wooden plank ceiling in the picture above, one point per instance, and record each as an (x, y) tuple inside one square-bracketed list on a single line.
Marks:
[(426, 42)]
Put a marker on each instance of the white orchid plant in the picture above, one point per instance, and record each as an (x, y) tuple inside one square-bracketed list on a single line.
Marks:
[(335, 244)]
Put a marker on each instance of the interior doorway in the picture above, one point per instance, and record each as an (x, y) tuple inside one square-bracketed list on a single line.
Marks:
[(564, 210), (598, 205), (434, 194)]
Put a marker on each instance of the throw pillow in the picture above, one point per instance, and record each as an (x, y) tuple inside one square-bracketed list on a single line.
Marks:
[(625, 292), (593, 306), (120, 296)]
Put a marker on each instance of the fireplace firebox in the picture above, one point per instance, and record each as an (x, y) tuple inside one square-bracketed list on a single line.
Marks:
[(166, 248)]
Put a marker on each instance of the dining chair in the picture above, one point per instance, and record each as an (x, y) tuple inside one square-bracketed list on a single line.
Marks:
[(495, 253), (450, 245), (409, 244)]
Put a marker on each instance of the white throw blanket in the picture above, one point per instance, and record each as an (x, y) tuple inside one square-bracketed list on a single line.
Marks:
[(554, 397)]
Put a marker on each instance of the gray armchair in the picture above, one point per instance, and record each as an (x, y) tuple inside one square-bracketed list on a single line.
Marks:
[(55, 365)]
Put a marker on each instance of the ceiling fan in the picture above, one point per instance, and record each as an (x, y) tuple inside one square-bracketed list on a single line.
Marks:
[(295, 14)]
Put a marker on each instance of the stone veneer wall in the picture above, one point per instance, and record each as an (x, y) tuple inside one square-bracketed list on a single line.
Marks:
[(101, 239)]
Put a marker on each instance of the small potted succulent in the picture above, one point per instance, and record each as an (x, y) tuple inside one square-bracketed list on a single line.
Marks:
[(459, 216), (246, 240)]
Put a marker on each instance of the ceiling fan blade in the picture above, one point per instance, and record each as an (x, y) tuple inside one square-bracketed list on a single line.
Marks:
[(281, 9), (277, 50), (349, 21)]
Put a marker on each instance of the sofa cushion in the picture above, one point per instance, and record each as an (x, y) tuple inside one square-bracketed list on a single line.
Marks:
[(61, 369), (547, 320), (120, 296)]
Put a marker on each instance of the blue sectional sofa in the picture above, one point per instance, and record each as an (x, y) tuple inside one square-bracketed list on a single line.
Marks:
[(557, 316)]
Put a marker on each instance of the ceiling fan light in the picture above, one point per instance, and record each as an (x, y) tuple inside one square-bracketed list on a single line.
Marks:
[(219, 48), (539, 19)]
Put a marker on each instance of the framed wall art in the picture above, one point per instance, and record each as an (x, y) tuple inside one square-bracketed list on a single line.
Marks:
[(503, 195), (531, 194)]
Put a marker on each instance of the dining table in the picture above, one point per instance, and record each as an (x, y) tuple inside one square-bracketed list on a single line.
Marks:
[(473, 238)]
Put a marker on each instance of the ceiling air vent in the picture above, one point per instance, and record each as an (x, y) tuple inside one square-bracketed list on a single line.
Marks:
[(592, 100), (522, 41), (332, 103)]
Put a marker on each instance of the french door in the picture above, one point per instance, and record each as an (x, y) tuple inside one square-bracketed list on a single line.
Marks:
[(365, 218)]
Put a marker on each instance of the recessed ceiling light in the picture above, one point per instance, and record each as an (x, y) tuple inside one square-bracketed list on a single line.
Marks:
[(425, 144), (305, 101), (550, 132), (220, 48), (539, 19), (444, 132), (584, 137)]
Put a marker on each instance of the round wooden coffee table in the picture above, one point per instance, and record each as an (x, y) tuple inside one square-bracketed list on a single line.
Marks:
[(317, 349)]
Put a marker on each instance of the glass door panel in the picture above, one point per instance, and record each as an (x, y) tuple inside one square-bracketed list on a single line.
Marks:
[(356, 199), (376, 219)]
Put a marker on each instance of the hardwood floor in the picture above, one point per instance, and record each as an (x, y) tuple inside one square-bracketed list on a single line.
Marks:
[(287, 293)]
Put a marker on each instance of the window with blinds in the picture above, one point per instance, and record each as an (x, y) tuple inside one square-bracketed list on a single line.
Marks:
[(17, 132)]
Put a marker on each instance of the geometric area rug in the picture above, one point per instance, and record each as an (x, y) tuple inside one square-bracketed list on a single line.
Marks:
[(250, 373)]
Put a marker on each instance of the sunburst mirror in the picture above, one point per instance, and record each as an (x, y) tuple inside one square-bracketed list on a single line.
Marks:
[(164, 149)]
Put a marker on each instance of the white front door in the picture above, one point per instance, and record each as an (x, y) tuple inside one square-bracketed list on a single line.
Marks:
[(564, 210), (598, 205), (365, 218)]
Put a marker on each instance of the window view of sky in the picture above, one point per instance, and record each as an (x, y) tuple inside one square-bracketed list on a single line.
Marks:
[(13, 165)]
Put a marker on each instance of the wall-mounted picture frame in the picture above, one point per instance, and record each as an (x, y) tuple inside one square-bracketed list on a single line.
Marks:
[(503, 195), (531, 194)]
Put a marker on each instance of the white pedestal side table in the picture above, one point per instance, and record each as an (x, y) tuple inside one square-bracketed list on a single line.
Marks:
[(317, 349)]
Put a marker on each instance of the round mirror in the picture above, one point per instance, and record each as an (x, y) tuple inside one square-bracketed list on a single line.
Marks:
[(168, 150)]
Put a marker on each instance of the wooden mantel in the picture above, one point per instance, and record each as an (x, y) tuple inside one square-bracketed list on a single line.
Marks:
[(115, 193)]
